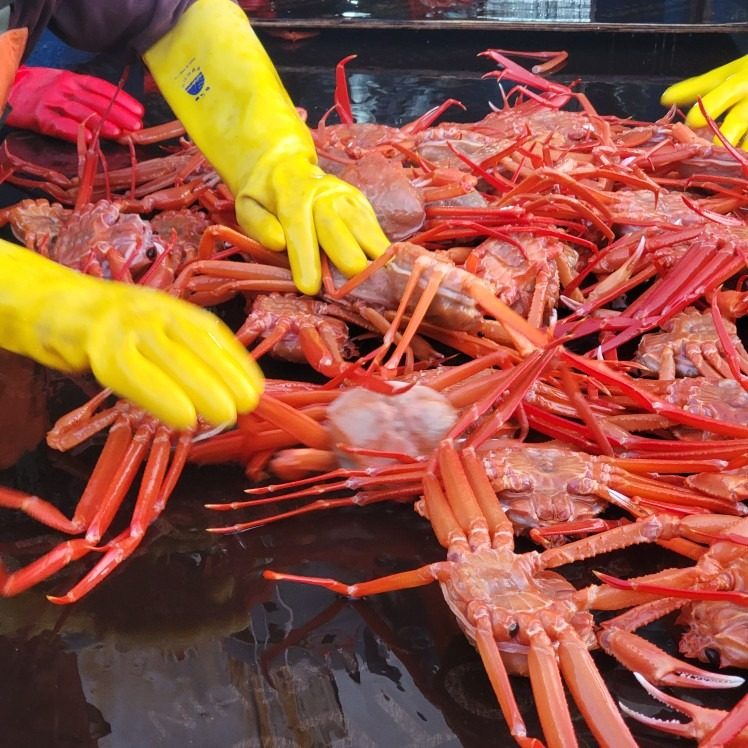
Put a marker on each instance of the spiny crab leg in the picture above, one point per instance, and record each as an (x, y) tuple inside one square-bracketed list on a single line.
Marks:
[(730, 596), (732, 725), (159, 479), (637, 654), (704, 723), (13, 583), (608, 375), (399, 487), (468, 520), (525, 336), (293, 421), (38, 509)]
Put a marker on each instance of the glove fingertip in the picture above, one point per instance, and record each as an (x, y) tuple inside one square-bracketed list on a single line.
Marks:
[(243, 377), (249, 396), (176, 417), (376, 243), (307, 281), (109, 130), (695, 118), (259, 224), (222, 411)]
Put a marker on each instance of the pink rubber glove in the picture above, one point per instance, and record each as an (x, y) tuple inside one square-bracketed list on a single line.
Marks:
[(56, 102)]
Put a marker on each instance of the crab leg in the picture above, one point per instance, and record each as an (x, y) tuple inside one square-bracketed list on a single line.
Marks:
[(38, 509), (548, 692), (121, 479), (638, 655), (704, 725), (497, 674), (110, 460), (43, 567), (731, 726), (293, 421), (637, 585), (607, 375), (590, 692), (159, 480)]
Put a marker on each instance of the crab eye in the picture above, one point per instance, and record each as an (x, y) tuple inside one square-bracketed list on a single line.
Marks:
[(151, 253), (513, 629), (713, 656)]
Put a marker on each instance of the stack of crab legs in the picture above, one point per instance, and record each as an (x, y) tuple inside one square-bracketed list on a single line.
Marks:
[(548, 348)]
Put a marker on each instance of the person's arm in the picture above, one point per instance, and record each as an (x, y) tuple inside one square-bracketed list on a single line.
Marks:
[(221, 84), (723, 91), (172, 358)]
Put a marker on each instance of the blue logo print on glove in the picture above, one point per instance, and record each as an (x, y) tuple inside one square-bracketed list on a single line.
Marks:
[(195, 85)]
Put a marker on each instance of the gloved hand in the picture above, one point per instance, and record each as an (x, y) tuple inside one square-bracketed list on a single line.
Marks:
[(724, 89), (56, 102), (214, 73), (167, 356)]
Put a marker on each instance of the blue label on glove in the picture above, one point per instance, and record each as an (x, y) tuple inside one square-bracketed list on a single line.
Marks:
[(195, 85), (192, 80)]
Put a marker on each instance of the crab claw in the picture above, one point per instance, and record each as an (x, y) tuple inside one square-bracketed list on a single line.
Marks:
[(702, 720), (639, 655)]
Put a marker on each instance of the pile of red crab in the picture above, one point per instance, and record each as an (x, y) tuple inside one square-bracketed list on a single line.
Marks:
[(549, 347)]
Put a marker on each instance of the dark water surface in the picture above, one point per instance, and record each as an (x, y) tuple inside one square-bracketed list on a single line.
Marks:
[(656, 12), (188, 646)]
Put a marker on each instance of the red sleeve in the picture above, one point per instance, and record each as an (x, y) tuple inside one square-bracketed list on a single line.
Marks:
[(98, 25)]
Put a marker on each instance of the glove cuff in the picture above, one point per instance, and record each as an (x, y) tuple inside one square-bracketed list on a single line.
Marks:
[(220, 82), (45, 308)]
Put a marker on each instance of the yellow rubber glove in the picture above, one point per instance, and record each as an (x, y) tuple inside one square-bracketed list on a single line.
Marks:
[(165, 355), (724, 89), (218, 79)]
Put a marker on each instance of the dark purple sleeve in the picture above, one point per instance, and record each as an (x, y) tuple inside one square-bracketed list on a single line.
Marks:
[(100, 25)]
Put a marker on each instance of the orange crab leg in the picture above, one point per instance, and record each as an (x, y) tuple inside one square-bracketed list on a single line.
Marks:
[(293, 421), (43, 567), (548, 692), (152, 135), (241, 242), (406, 482), (731, 596), (38, 509), (315, 506), (590, 692), (731, 726), (502, 688), (499, 525), (159, 479), (111, 458), (320, 353), (247, 334), (121, 480), (419, 312), (703, 720), (402, 581), (640, 656)]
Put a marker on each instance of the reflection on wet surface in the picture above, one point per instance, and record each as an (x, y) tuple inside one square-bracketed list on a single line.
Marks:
[(395, 98), (187, 645), (569, 11)]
